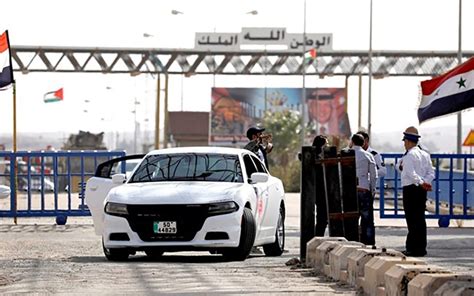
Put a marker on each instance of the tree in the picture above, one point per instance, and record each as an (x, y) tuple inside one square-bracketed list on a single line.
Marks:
[(285, 127)]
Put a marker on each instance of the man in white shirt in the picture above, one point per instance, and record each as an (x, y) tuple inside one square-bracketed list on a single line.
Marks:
[(380, 165), (366, 179), (416, 176)]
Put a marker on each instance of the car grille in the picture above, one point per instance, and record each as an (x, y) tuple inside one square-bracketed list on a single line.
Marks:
[(189, 220)]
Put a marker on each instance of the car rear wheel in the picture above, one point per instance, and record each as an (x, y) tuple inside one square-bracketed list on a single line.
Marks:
[(115, 254), (276, 248), (247, 238)]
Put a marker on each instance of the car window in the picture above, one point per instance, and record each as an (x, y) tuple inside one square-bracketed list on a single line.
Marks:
[(259, 165), (114, 166), (189, 167), (249, 165)]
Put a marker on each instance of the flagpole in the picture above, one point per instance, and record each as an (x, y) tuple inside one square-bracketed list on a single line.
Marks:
[(459, 119), (303, 93), (369, 117), (14, 151), (15, 200)]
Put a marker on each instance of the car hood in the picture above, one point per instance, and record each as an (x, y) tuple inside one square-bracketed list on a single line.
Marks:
[(174, 192)]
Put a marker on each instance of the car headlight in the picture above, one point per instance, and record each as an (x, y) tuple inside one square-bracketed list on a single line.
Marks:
[(223, 208), (116, 209)]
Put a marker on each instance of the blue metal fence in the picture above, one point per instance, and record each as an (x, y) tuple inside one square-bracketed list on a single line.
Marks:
[(452, 196), (45, 183)]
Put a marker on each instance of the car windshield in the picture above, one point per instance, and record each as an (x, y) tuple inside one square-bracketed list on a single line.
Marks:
[(189, 167)]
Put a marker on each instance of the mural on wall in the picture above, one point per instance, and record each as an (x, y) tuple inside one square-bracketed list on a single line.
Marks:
[(234, 110)]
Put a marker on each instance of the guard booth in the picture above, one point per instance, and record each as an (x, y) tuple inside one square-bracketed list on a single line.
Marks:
[(330, 176)]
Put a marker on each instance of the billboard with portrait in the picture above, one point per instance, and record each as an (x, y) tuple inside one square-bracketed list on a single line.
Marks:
[(234, 110)]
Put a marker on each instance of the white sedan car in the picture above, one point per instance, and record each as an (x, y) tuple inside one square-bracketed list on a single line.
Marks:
[(221, 200)]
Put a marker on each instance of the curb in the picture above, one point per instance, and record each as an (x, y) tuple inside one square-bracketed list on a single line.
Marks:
[(379, 271)]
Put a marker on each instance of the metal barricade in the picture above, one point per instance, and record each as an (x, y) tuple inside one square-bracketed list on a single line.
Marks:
[(43, 183), (452, 196)]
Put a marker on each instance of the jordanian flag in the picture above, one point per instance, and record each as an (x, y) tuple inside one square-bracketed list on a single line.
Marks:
[(448, 93), (310, 55), (53, 96), (6, 70)]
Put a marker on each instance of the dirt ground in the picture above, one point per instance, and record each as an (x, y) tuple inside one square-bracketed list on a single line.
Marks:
[(37, 256)]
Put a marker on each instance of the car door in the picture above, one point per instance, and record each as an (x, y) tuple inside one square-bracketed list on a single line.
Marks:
[(259, 188), (99, 186), (265, 205)]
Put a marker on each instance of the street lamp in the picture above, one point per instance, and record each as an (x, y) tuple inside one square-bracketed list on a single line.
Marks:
[(135, 134), (176, 12)]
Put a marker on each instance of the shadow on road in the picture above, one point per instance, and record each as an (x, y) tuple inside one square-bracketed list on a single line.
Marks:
[(184, 257)]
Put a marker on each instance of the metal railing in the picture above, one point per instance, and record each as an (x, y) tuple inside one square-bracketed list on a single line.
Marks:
[(48, 183), (452, 196)]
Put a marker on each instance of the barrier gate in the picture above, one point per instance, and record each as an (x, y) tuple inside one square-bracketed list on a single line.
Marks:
[(48, 183), (452, 196)]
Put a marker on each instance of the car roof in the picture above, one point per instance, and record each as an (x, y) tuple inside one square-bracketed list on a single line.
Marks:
[(203, 149)]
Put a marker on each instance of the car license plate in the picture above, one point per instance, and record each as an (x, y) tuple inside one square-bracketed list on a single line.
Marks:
[(165, 227)]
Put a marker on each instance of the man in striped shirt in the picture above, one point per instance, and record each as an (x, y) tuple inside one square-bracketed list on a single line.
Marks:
[(366, 178)]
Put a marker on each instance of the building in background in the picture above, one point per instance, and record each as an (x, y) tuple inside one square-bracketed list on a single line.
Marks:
[(189, 128)]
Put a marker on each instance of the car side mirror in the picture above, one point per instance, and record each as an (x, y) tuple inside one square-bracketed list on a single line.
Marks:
[(259, 178), (4, 191), (118, 179)]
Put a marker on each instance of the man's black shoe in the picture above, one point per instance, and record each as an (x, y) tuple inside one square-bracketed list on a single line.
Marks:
[(413, 254)]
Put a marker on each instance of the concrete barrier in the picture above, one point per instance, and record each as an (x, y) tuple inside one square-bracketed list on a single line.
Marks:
[(327, 265), (338, 260), (398, 276), (357, 259), (374, 271), (314, 243), (426, 284), (322, 255), (456, 288)]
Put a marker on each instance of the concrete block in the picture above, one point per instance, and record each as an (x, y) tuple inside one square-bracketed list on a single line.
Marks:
[(314, 243), (343, 276), (399, 275), (426, 284), (380, 291), (358, 258), (322, 254), (360, 282), (374, 270), (456, 288), (326, 269), (338, 257)]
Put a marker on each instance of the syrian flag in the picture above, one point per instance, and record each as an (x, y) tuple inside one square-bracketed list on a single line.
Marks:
[(54, 96), (6, 70), (448, 93), (310, 55)]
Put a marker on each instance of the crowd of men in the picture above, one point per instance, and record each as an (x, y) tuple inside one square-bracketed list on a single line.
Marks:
[(416, 173)]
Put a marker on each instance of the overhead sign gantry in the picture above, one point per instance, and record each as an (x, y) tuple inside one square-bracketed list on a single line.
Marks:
[(243, 62)]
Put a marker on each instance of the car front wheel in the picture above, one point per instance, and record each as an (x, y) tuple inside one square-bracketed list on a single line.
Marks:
[(247, 238), (115, 254), (276, 248)]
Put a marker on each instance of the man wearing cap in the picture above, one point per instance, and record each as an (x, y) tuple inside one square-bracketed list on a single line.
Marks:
[(366, 179), (416, 176), (254, 134)]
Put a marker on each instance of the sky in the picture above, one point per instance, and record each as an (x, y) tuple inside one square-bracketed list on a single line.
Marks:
[(98, 102)]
